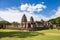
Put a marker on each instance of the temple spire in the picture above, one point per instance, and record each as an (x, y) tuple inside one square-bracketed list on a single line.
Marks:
[(24, 19), (31, 19)]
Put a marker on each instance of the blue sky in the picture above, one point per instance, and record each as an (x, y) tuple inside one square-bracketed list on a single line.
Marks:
[(52, 7)]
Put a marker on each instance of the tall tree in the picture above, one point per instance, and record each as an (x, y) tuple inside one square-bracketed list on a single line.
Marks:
[(58, 21), (3, 23), (52, 21), (15, 23), (55, 21)]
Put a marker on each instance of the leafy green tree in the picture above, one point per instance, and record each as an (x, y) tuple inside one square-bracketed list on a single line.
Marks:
[(55, 21), (3, 23), (52, 21), (58, 21), (15, 23)]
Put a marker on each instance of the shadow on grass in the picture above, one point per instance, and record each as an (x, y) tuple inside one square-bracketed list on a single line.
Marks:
[(19, 34)]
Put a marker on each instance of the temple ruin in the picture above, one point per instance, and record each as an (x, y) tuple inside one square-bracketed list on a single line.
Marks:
[(30, 25)]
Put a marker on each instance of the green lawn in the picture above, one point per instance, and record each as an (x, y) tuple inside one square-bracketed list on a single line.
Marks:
[(6, 34)]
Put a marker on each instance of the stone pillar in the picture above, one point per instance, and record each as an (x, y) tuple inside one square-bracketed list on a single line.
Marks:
[(31, 25)]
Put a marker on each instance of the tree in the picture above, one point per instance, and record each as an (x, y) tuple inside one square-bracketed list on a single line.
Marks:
[(55, 21), (58, 21), (3, 23), (15, 23), (52, 21)]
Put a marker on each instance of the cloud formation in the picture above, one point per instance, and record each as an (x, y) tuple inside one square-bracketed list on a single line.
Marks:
[(13, 14), (32, 8), (57, 13)]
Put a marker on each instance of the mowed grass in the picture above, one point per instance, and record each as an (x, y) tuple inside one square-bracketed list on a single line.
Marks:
[(51, 34)]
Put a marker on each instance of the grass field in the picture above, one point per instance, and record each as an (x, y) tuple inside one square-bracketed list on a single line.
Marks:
[(6, 34)]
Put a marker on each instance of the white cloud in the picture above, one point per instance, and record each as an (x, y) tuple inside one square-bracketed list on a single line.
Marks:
[(13, 14), (10, 15), (57, 13), (32, 8)]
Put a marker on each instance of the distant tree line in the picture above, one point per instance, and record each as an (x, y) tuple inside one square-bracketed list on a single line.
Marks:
[(3, 23), (55, 21)]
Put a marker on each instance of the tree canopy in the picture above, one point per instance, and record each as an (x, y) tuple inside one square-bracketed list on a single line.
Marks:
[(55, 21), (15, 23), (4, 22)]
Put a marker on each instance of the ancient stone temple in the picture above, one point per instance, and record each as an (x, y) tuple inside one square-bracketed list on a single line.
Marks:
[(25, 24), (30, 25)]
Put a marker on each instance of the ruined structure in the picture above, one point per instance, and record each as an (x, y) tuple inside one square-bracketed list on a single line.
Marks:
[(30, 25), (33, 25)]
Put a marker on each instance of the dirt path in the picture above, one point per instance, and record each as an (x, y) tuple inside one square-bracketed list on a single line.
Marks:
[(52, 34)]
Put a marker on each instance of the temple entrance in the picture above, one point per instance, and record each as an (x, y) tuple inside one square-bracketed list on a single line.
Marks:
[(29, 25), (1, 26)]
